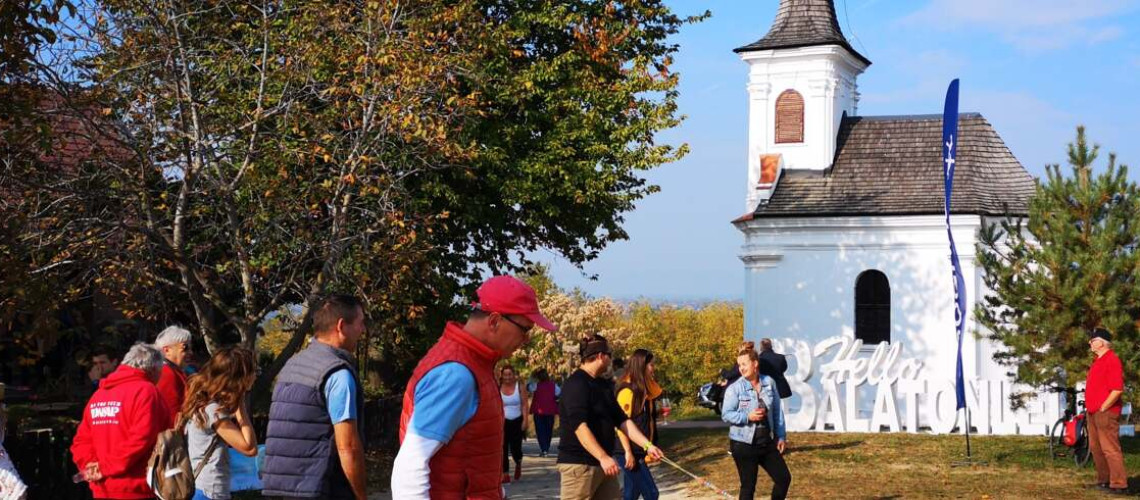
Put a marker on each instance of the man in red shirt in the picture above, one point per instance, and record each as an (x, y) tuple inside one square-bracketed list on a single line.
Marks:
[(176, 347), (1103, 388), (120, 425)]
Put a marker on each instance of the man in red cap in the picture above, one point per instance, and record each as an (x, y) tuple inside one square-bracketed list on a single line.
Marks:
[(451, 427)]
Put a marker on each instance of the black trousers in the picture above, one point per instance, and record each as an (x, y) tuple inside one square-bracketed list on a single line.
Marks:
[(512, 442), (750, 457)]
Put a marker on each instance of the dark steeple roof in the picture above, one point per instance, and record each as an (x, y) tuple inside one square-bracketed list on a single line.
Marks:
[(803, 23), (892, 165)]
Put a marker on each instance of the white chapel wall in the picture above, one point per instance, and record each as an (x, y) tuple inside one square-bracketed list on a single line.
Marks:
[(800, 283)]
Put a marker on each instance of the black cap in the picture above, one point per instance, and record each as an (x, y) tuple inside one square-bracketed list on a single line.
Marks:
[(1099, 332)]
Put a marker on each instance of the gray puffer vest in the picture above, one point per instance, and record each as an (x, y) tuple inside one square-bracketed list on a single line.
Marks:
[(300, 454)]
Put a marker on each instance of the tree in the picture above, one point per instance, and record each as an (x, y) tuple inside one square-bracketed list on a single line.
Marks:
[(690, 344), (577, 316), (263, 153), (26, 27), (32, 290), (1072, 266)]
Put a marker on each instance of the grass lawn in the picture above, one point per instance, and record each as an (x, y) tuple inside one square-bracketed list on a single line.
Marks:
[(826, 465), (690, 412)]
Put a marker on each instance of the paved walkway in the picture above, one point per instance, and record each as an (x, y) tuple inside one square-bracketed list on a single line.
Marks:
[(540, 478)]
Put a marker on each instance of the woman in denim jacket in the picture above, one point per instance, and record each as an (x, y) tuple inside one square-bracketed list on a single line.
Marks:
[(757, 437)]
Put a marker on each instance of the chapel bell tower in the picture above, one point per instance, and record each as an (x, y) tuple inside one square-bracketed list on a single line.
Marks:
[(801, 81)]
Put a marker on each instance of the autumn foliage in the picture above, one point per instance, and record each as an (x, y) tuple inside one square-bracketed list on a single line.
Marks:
[(267, 152), (691, 343)]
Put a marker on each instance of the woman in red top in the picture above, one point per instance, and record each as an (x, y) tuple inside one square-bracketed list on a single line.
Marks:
[(544, 406)]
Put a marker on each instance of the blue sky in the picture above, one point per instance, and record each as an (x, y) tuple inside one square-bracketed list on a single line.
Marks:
[(1034, 68)]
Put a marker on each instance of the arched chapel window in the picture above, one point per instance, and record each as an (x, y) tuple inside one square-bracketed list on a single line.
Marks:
[(789, 117), (872, 308)]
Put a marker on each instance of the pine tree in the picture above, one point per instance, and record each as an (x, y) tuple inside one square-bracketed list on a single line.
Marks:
[(1072, 266)]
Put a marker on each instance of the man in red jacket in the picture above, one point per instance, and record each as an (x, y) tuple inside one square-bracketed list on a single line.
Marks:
[(175, 344), (451, 427), (1103, 388), (120, 425)]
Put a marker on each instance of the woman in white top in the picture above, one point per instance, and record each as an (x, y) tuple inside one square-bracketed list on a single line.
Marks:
[(515, 416), (218, 418)]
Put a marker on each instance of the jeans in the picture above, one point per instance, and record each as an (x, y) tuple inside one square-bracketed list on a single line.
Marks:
[(638, 481), (749, 458), (544, 429)]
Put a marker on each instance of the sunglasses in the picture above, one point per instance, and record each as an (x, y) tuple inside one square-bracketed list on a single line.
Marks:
[(525, 329)]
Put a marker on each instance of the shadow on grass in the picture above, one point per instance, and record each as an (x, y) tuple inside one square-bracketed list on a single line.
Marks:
[(823, 447), (1134, 485)]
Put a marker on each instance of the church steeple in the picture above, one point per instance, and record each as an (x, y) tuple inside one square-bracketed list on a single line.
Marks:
[(804, 23), (801, 82)]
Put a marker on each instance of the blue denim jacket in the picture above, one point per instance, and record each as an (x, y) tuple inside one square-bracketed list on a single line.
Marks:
[(740, 400)]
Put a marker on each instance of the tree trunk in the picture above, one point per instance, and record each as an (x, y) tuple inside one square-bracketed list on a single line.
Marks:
[(263, 387)]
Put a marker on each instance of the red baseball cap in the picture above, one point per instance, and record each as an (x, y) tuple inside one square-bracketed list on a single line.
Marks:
[(509, 295)]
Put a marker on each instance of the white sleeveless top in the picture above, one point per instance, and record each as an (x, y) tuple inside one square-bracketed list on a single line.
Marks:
[(512, 405)]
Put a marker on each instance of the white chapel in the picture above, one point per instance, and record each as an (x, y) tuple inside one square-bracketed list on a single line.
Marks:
[(845, 245)]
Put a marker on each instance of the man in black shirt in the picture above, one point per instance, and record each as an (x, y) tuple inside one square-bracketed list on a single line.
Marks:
[(774, 364), (590, 413)]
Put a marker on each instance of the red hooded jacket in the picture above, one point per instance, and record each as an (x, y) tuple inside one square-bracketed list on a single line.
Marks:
[(120, 425)]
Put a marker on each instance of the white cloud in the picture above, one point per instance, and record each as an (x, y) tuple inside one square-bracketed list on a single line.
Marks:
[(1106, 34), (1032, 25)]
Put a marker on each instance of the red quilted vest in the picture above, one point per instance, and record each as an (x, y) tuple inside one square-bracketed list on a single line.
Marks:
[(470, 465)]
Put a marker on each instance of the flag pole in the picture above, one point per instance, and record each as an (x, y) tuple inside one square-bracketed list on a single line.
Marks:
[(949, 158)]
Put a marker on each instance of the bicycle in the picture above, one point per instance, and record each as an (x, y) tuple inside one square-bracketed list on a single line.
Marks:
[(1070, 434)]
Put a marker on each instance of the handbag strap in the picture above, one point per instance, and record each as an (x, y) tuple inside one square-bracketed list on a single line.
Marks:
[(206, 457), (182, 421)]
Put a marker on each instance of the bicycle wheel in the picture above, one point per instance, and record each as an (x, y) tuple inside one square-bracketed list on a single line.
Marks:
[(1056, 439), (1081, 451)]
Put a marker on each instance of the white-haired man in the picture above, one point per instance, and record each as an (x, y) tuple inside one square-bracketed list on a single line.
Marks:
[(120, 425), (175, 344)]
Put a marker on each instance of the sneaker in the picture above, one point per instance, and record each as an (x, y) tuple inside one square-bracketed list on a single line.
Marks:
[(518, 471), (1117, 491), (506, 479)]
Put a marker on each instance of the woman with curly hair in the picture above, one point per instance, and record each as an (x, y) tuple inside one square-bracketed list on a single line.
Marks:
[(216, 415)]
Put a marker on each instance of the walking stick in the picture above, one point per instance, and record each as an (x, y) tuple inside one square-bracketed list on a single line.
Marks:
[(699, 479)]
